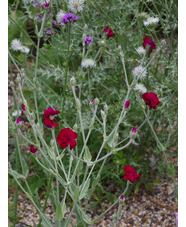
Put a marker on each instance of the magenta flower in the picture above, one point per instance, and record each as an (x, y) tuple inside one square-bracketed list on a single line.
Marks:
[(33, 149), (130, 174), (23, 108), (134, 130), (50, 32), (88, 40), (127, 104), (68, 17), (148, 41), (121, 198), (48, 114), (18, 120), (46, 5), (92, 101)]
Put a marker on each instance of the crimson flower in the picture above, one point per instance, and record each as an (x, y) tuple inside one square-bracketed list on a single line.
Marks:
[(148, 41), (50, 112), (109, 32), (67, 137), (127, 104), (33, 149), (151, 99), (23, 108), (18, 120), (130, 174)]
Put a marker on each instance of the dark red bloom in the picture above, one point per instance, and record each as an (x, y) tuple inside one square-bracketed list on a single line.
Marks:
[(127, 104), (148, 41), (106, 29), (130, 174), (50, 112), (18, 120), (23, 108), (134, 130), (65, 137), (109, 32), (151, 99), (46, 5), (50, 123), (33, 149)]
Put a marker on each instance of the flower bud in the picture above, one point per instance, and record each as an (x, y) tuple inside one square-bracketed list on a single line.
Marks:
[(96, 101), (133, 133), (103, 115), (11, 84), (75, 127), (86, 26), (73, 81), (18, 79), (106, 109), (78, 105), (32, 118), (127, 104), (122, 198), (52, 143), (18, 122), (102, 43)]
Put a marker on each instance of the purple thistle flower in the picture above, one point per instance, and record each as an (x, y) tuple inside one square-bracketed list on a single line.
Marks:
[(69, 17), (88, 40), (54, 24), (50, 32)]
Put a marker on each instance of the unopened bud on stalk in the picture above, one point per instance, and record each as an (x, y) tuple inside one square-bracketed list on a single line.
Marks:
[(86, 26), (96, 101), (78, 105), (102, 43), (73, 81), (71, 159), (75, 127), (121, 199), (133, 133), (11, 84), (106, 109), (119, 47), (18, 79), (32, 118), (52, 143), (103, 115), (127, 104)]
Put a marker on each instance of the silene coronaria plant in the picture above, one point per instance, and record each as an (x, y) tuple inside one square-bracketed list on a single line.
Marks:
[(90, 91)]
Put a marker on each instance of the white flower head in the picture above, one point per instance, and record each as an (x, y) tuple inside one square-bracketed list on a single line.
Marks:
[(140, 50), (16, 113), (24, 49), (151, 21), (88, 63), (76, 5), (60, 15), (140, 88), (139, 72), (16, 44)]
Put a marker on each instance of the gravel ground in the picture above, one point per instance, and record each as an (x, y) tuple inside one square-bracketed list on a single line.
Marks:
[(146, 208)]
